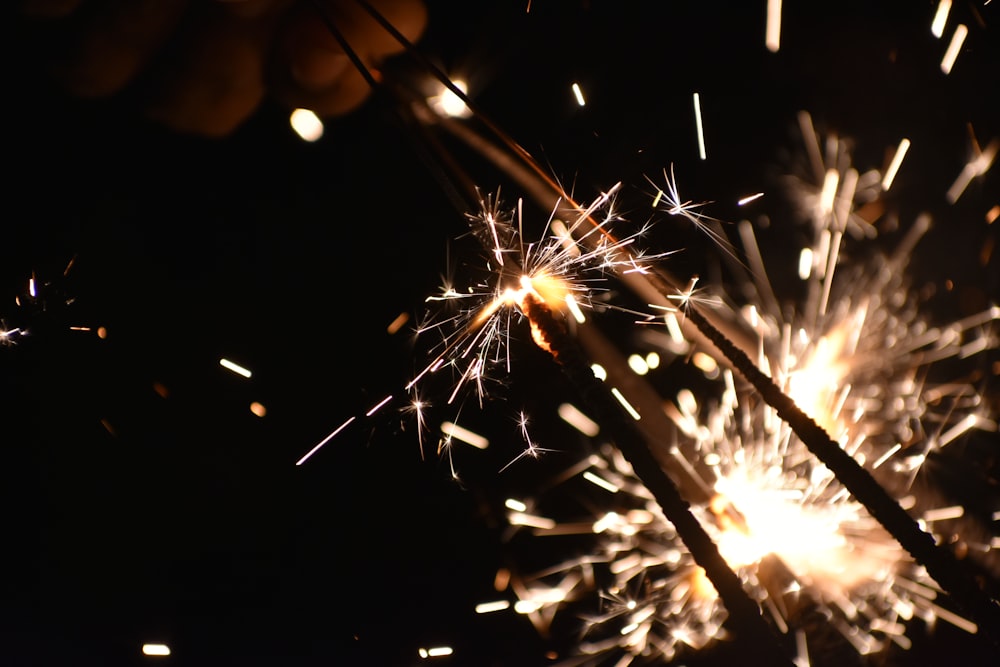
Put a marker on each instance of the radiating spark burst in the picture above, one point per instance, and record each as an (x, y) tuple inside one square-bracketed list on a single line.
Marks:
[(566, 269), (856, 355)]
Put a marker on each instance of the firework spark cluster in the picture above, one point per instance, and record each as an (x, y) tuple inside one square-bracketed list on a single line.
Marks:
[(858, 355)]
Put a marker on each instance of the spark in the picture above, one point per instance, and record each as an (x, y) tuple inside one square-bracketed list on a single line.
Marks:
[(954, 48), (435, 652), (452, 430), (578, 420), (974, 168), (746, 200), (772, 37), (897, 160), (698, 126), (940, 18), (158, 650), (234, 367), (578, 94), (491, 607), (325, 440)]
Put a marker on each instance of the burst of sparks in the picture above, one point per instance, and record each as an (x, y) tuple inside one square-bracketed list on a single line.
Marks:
[(780, 518)]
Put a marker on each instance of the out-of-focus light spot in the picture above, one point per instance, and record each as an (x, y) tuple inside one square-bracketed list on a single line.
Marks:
[(530, 520), (897, 159), (993, 214), (436, 652), (258, 409), (638, 364), (954, 48), (976, 167), (772, 34), (940, 18), (102, 333), (398, 323), (516, 505), (155, 649), (447, 103), (698, 126), (653, 360), (490, 607), (600, 481), (109, 428), (705, 363), (578, 94), (581, 422), (161, 390), (306, 124), (805, 263), (234, 367), (501, 579), (457, 432)]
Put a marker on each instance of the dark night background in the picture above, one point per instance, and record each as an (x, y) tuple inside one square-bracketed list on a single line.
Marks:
[(142, 499)]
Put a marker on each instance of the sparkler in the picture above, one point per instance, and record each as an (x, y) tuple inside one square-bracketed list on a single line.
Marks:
[(774, 466)]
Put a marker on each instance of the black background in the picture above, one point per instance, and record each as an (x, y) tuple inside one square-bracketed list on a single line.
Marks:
[(130, 516)]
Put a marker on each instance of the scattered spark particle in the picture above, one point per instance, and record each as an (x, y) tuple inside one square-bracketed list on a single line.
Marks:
[(108, 427), (578, 94), (625, 404), (581, 422), (378, 406), (974, 168), (457, 432), (530, 520), (599, 372), (325, 440), (490, 607), (772, 35), (516, 505), (749, 198), (306, 124), (31, 287), (435, 652), (397, 323), (102, 333), (992, 214), (805, 263), (698, 126), (258, 409), (600, 481), (944, 513), (447, 103), (234, 367), (940, 18), (161, 390), (957, 39), (155, 649), (897, 159)]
